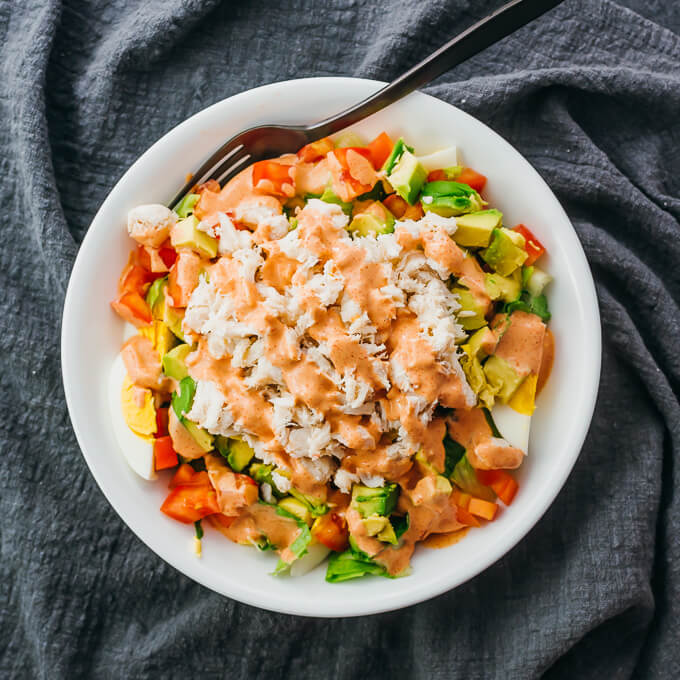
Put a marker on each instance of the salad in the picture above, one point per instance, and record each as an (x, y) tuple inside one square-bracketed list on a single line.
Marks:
[(337, 355)]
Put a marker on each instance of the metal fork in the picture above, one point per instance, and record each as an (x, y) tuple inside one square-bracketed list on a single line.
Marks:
[(268, 141)]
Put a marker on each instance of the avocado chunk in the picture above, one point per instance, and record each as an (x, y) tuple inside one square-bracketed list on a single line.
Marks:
[(502, 377), (450, 199), (407, 177), (174, 362), (202, 437), (506, 288), (374, 524), (295, 507), (329, 196), (236, 451), (424, 464), (474, 229), (396, 153), (380, 501), (172, 318), (476, 378), (505, 252), (376, 219), (473, 311), (186, 206), (316, 506), (185, 234), (481, 343)]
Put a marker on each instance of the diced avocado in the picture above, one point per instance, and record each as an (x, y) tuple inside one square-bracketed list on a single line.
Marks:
[(502, 377), (474, 229), (174, 362), (424, 464), (238, 453), (481, 343), (387, 534), (380, 501), (506, 288), (348, 138), (329, 196), (186, 206), (164, 340), (464, 477), (536, 281), (505, 252), (155, 292), (295, 507), (449, 199), (473, 316), (185, 234), (407, 177), (374, 524), (315, 506), (172, 318), (442, 485), (365, 224), (397, 150), (202, 437)]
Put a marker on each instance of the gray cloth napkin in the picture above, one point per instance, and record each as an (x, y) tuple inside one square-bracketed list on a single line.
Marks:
[(590, 94)]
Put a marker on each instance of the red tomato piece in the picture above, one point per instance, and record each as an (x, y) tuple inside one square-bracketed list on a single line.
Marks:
[(316, 150), (276, 177), (164, 454), (437, 176), (168, 255), (533, 246), (472, 179), (135, 279), (132, 307), (396, 205), (161, 422), (501, 481), (184, 475), (331, 530), (380, 148), (464, 517), (189, 503)]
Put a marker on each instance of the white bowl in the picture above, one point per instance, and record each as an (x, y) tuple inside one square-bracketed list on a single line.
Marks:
[(92, 335)]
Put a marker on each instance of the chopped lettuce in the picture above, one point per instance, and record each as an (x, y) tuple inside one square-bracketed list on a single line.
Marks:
[(198, 529), (298, 547), (527, 302), (351, 564), (186, 206), (454, 452)]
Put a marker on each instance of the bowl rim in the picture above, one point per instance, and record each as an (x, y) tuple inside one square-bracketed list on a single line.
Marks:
[(587, 302)]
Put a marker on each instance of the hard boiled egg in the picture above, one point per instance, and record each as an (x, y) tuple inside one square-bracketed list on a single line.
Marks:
[(137, 450), (444, 158), (513, 426)]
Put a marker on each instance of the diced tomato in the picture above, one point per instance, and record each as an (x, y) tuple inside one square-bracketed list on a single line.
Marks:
[(482, 508), (183, 475), (223, 520), (276, 177), (533, 246), (414, 212), (464, 517), (380, 148), (168, 255), (136, 279), (189, 503), (472, 179), (246, 479), (316, 150), (161, 422), (133, 308), (396, 205), (461, 499), (354, 187), (502, 482), (331, 530), (437, 176), (164, 454)]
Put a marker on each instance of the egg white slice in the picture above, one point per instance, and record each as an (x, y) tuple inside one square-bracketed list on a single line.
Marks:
[(315, 555), (512, 425), (444, 158), (137, 451)]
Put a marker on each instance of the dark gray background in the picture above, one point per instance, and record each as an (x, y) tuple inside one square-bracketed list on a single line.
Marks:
[(589, 93)]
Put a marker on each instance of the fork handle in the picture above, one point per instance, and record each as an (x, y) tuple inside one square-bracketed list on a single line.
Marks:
[(479, 36)]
